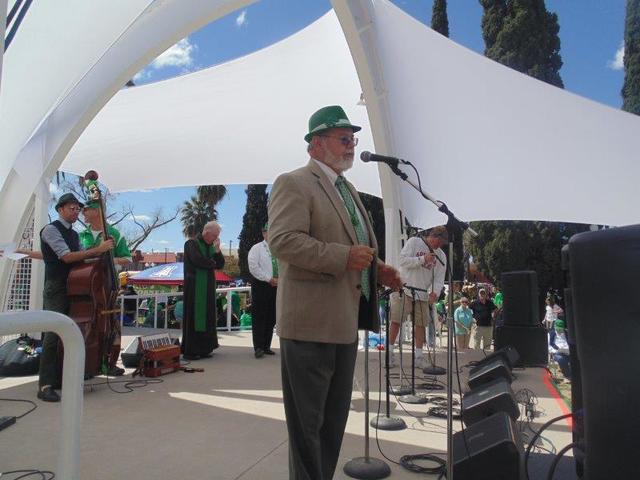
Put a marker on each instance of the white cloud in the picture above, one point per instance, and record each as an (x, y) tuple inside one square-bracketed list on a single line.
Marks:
[(140, 218), (618, 61), (142, 75), (54, 189), (241, 19), (162, 242), (179, 55)]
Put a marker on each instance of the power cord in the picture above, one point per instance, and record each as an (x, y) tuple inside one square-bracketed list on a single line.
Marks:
[(556, 460), (535, 437), (28, 473), (34, 406)]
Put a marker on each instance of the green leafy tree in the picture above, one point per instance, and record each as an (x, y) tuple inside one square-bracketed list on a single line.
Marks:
[(525, 38), (194, 215), (631, 87), (439, 19), (255, 216), (505, 246)]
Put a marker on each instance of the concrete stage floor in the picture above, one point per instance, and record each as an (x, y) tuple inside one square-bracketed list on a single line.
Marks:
[(228, 422)]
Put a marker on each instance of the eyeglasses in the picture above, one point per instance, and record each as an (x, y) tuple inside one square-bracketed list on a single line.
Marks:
[(345, 140)]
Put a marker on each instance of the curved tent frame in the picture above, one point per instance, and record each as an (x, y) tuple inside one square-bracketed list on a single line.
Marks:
[(447, 109)]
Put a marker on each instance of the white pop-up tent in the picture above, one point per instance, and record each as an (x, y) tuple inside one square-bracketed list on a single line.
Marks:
[(492, 143)]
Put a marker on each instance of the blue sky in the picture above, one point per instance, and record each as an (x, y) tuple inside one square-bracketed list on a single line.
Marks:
[(591, 33)]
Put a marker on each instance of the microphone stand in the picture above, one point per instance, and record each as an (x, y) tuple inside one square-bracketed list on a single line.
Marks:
[(400, 389), (387, 422), (453, 225), (366, 467), (411, 397)]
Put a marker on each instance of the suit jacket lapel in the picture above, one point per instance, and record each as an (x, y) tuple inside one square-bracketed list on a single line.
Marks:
[(335, 199)]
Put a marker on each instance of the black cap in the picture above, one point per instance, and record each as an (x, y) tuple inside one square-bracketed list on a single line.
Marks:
[(68, 198)]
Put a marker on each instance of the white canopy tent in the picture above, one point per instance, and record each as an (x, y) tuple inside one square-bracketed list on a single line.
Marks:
[(492, 143)]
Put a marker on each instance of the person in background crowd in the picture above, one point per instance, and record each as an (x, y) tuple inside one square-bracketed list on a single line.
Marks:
[(483, 310), (463, 318), (560, 349), (202, 256), (264, 286), (551, 313)]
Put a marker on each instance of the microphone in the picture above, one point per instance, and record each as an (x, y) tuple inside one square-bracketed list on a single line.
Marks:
[(374, 157)]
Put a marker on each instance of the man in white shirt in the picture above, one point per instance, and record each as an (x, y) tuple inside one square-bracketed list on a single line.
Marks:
[(423, 266), (264, 268)]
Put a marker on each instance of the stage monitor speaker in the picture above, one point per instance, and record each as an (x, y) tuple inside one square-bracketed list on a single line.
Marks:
[(495, 369), (485, 400), (508, 354), (132, 355), (520, 290), (604, 268), (531, 342), (488, 450)]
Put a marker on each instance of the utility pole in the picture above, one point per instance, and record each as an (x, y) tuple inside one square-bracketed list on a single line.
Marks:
[(230, 243)]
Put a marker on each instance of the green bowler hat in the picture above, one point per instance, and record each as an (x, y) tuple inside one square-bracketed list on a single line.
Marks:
[(326, 118)]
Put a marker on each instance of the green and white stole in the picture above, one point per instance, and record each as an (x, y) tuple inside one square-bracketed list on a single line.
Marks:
[(202, 278)]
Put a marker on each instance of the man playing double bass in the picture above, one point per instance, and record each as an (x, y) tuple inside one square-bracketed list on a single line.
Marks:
[(61, 248)]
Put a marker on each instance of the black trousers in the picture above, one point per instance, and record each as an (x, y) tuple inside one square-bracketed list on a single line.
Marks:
[(54, 299), (263, 313), (317, 380)]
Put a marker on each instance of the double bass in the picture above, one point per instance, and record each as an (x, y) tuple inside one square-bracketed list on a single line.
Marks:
[(92, 288)]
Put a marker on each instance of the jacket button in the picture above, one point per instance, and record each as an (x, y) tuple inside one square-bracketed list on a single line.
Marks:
[(358, 286)]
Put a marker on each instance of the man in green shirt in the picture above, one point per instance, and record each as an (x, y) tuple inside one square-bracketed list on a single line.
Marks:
[(92, 235)]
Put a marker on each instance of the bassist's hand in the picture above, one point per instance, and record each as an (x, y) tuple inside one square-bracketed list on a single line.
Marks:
[(105, 246)]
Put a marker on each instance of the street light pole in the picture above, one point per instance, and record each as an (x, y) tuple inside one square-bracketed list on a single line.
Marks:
[(230, 243)]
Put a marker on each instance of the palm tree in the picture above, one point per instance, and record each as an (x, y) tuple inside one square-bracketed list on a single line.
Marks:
[(194, 214), (211, 194)]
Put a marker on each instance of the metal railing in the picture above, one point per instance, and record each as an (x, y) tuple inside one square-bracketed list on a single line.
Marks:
[(72, 375), (155, 317)]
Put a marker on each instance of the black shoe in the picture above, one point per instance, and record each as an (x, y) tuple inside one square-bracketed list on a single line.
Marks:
[(48, 394), (259, 353), (268, 351), (191, 357), (115, 371)]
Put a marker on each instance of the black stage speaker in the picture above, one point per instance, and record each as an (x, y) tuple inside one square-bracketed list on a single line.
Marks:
[(495, 369), (576, 383), (520, 290), (488, 450), (508, 354), (487, 399), (604, 268), (531, 342)]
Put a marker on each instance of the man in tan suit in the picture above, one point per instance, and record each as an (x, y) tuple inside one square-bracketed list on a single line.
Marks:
[(328, 271)]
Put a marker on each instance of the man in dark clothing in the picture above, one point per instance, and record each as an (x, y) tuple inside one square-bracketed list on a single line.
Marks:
[(202, 256), (264, 269), (60, 250), (483, 309)]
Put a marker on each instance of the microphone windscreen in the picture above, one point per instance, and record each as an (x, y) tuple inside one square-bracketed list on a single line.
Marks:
[(365, 156)]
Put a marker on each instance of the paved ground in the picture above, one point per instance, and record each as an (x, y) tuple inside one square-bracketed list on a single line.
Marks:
[(227, 423)]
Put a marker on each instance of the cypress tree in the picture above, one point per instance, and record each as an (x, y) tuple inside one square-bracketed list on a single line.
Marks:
[(523, 35), (494, 13), (631, 87), (439, 20), (254, 218), (526, 41)]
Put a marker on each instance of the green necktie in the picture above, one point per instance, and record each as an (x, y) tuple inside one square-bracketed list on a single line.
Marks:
[(341, 185), (274, 266)]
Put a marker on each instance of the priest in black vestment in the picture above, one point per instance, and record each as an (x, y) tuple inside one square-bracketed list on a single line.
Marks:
[(202, 256)]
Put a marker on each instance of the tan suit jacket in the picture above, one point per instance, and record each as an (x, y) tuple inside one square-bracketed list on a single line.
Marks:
[(310, 234)]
